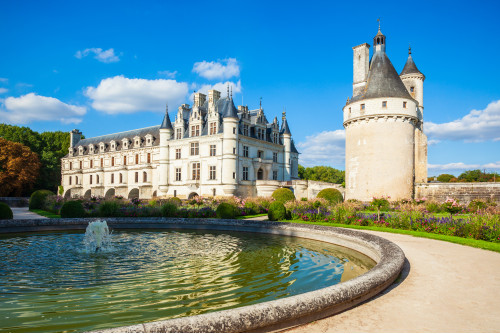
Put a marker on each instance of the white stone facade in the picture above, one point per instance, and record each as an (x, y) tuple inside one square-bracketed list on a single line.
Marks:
[(211, 149)]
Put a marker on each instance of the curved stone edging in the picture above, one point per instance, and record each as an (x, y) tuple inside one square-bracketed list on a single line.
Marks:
[(267, 316)]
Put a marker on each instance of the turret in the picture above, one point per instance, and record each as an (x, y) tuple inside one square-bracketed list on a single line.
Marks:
[(230, 123), (166, 132), (286, 138), (413, 80)]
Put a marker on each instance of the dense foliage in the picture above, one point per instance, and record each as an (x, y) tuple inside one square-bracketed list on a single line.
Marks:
[(19, 168), (322, 173), (50, 148), (277, 211), (5, 211), (168, 209), (469, 176), (331, 195), (37, 199), (225, 211), (72, 209), (283, 195)]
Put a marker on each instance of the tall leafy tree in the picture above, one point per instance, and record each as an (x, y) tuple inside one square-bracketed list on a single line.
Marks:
[(322, 173), (19, 168)]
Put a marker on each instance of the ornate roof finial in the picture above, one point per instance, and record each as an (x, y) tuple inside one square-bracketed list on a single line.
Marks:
[(260, 106), (166, 111), (409, 49), (228, 89), (283, 114), (231, 92), (378, 20)]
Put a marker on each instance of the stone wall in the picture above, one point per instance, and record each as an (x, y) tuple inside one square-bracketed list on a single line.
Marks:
[(464, 192)]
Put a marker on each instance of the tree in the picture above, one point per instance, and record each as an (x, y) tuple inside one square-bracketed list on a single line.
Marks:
[(19, 168), (445, 177), (322, 173)]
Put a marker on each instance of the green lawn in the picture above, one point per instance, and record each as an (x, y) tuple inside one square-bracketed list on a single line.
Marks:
[(493, 246), (45, 213), (251, 216), (437, 215)]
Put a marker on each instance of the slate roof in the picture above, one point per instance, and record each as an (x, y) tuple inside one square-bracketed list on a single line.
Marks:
[(284, 128), (166, 124), (410, 67), (383, 80)]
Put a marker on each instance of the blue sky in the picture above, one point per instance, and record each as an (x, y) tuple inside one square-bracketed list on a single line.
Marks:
[(105, 67)]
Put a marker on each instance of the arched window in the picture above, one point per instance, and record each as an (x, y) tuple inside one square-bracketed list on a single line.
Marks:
[(260, 174)]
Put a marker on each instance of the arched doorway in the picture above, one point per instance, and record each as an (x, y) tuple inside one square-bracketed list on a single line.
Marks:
[(154, 193), (134, 193), (67, 194), (110, 193), (260, 174), (192, 195), (87, 194)]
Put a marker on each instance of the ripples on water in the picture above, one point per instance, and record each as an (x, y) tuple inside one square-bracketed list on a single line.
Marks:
[(49, 283)]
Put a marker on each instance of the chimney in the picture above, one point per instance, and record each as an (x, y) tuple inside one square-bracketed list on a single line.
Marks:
[(213, 96), (74, 137), (199, 99)]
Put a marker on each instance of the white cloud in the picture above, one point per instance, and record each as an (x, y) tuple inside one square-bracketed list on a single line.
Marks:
[(325, 148), (222, 69), (431, 142), (476, 126), (104, 56), (32, 107), (123, 95), (4, 79), (453, 165), (168, 74), (220, 86), (3, 90), (456, 168)]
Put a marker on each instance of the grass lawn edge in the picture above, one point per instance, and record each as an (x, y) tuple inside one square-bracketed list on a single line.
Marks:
[(486, 245), (45, 213)]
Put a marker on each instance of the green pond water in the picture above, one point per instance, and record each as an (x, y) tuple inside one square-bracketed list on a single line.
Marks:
[(49, 283)]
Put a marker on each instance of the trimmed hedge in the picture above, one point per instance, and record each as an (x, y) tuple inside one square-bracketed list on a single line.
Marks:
[(332, 195), (277, 211), (283, 195), (72, 209), (176, 201), (37, 199), (5, 211), (225, 211), (168, 209)]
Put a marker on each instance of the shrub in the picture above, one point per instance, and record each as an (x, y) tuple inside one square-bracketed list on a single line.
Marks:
[(176, 201), (331, 195), (277, 211), (252, 208), (283, 195), (5, 211), (168, 209), (37, 199), (433, 207), (72, 209), (477, 205), (304, 199), (109, 209), (225, 211)]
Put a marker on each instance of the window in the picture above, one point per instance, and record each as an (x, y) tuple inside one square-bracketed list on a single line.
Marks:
[(212, 173), (213, 128), (70, 166), (196, 171), (212, 150), (213, 192), (195, 148), (112, 161), (121, 178), (362, 107), (384, 104), (178, 133), (81, 164), (136, 177), (97, 179), (245, 151), (177, 153), (260, 154), (125, 161), (404, 104), (70, 180), (91, 163), (112, 178), (175, 193), (195, 130), (349, 110), (275, 157), (412, 89), (245, 173), (149, 158), (275, 175), (178, 174), (245, 130), (102, 162), (275, 138), (260, 174), (76, 180), (234, 175), (144, 177), (234, 131), (234, 150), (90, 179), (137, 159)]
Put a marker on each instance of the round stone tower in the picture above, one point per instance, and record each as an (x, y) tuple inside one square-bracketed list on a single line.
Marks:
[(380, 122)]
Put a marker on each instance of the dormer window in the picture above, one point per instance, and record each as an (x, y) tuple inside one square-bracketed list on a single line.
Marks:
[(80, 150), (137, 141), (113, 145), (125, 143), (91, 149), (213, 128), (149, 140), (102, 146), (178, 133), (195, 131)]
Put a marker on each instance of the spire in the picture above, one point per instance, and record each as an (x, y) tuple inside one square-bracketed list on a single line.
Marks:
[(231, 92), (227, 90), (379, 40), (260, 103), (410, 67), (284, 125), (166, 124)]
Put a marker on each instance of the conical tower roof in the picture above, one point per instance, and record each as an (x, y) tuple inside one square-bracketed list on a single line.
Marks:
[(166, 124), (410, 67)]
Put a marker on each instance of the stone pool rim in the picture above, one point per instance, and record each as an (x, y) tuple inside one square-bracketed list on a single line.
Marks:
[(262, 317)]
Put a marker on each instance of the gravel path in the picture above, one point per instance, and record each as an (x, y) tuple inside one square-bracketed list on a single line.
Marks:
[(444, 287), (24, 213)]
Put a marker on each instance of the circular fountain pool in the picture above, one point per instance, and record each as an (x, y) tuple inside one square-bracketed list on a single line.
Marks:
[(50, 283)]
